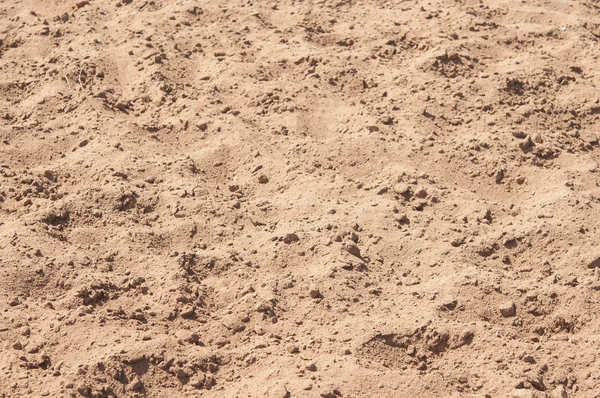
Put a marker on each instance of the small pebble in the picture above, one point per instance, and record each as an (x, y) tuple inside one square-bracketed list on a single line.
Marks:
[(508, 309)]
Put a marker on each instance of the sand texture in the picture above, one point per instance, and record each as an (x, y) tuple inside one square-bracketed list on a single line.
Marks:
[(299, 198)]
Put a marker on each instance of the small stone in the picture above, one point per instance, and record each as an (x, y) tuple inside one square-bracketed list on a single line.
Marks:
[(278, 392), (422, 193), (419, 206), (290, 238), (42, 360), (499, 176), (139, 316), (457, 242), (508, 309), (403, 190), (402, 219), (247, 289), (330, 393), (293, 349), (198, 382), (315, 293), (594, 262), (135, 385), (49, 175), (17, 346), (234, 324), (263, 179), (312, 367), (352, 249), (387, 120), (526, 144), (84, 390), (485, 250), (83, 143), (528, 359), (184, 372), (14, 302), (185, 336), (187, 311)]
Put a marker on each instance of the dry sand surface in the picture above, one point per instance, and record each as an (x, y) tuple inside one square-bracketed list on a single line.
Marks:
[(299, 198)]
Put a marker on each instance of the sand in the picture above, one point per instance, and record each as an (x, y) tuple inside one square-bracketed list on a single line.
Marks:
[(299, 198)]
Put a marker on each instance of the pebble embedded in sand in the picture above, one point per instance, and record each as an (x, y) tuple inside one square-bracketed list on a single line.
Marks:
[(84, 390), (386, 120), (14, 302), (527, 144), (594, 261), (352, 249), (314, 292), (403, 190), (456, 242), (499, 175), (290, 238), (186, 336), (135, 385), (311, 367), (330, 393), (508, 309), (187, 311)]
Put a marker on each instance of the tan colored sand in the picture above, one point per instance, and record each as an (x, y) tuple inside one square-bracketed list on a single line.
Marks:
[(299, 198)]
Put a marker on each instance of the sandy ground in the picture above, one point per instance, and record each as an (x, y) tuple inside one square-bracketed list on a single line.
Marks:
[(299, 198)]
